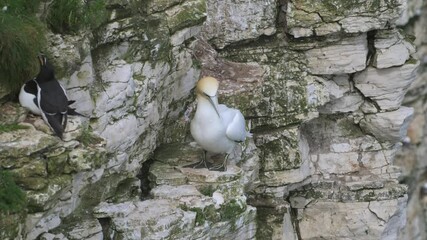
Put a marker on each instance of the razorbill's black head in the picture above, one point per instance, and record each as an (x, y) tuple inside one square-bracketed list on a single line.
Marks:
[(46, 70)]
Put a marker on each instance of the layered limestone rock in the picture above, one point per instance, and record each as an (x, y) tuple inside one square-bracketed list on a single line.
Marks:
[(386, 87), (348, 55), (333, 209), (391, 49), (50, 171), (232, 21), (321, 84), (184, 202), (309, 17)]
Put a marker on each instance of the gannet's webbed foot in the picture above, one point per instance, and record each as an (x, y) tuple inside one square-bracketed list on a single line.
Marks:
[(202, 164), (221, 167)]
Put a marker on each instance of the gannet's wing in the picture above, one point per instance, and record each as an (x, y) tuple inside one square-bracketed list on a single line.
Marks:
[(235, 123)]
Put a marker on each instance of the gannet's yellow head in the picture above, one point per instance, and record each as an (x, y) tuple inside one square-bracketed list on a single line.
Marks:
[(206, 89), (207, 86)]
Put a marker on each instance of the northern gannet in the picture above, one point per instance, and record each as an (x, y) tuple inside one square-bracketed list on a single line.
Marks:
[(215, 127)]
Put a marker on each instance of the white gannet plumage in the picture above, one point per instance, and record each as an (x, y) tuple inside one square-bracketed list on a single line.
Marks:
[(215, 127)]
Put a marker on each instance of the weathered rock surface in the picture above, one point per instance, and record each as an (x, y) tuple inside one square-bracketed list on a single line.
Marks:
[(391, 49), (308, 17), (161, 219), (320, 83), (388, 126), (346, 56), (386, 87), (202, 204), (46, 168), (233, 21), (330, 206), (358, 220)]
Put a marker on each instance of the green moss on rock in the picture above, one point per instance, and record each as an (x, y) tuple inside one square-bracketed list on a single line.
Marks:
[(12, 198), (70, 16), (232, 209), (203, 214), (281, 153), (189, 14), (266, 219), (207, 190), (11, 127), (32, 183), (332, 10), (57, 165), (151, 41), (282, 97), (88, 138), (126, 189), (152, 6), (412, 61), (349, 128), (11, 224)]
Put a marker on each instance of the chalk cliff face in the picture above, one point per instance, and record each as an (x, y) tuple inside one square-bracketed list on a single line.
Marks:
[(322, 84)]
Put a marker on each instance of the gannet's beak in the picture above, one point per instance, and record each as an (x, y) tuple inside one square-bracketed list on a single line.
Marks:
[(210, 98)]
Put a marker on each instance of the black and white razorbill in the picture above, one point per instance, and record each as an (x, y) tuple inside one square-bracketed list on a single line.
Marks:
[(28, 96), (51, 98), (28, 99)]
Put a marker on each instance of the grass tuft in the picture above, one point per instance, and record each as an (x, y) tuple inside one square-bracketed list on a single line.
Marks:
[(87, 138), (12, 198), (11, 127), (20, 7), (22, 38), (70, 16)]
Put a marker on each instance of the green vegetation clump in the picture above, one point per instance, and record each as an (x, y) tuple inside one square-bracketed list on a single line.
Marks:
[(20, 7), (207, 213), (12, 198), (232, 209), (207, 190), (22, 38), (11, 127), (69, 16), (87, 138)]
